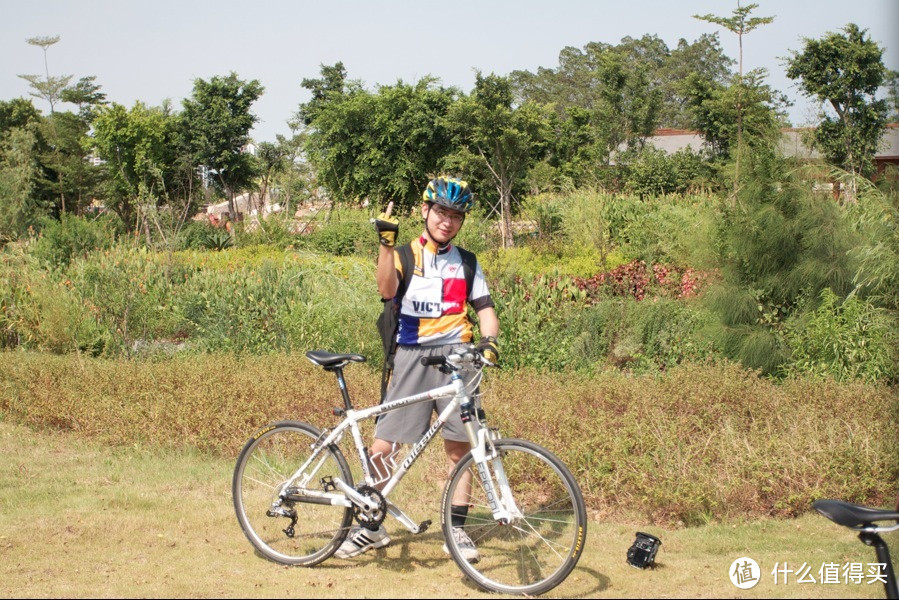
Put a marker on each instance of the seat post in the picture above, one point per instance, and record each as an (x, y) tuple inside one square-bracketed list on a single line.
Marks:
[(883, 556), (341, 382)]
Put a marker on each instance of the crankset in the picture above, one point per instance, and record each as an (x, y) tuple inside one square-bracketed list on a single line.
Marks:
[(372, 517)]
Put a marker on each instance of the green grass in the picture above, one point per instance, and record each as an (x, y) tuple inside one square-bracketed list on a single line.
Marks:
[(80, 519)]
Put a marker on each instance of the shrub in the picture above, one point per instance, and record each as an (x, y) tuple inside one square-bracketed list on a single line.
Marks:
[(669, 229), (640, 336), (533, 316), (344, 238), (477, 234), (636, 280), (71, 236), (551, 260), (130, 293), (273, 231), (195, 236), (654, 172), (845, 340), (40, 311)]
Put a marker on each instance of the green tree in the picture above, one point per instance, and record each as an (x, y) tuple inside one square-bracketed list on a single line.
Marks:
[(271, 161), (780, 247), (609, 97), (703, 60), (892, 85), (76, 179), (17, 112), (20, 204), (498, 141), (723, 113), (379, 145), (17, 116), (137, 145), (86, 95), (331, 83), (295, 182), (844, 71), (741, 24), (217, 122), (619, 86), (48, 87)]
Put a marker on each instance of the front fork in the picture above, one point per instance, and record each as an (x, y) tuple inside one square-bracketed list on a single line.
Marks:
[(483, 452)]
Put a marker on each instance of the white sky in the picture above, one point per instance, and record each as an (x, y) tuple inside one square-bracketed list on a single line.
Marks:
[(150, 51)]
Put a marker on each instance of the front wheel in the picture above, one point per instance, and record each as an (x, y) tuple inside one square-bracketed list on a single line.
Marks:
[(286, 531), (541, 545)]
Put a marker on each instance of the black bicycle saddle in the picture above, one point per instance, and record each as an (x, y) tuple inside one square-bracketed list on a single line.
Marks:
[(852, 515), (327, 359)]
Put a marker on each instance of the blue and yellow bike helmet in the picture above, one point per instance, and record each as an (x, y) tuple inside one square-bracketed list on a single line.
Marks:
[(449, 192)]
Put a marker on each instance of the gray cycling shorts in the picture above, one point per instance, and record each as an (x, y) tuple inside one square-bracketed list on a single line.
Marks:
[(408, 424)]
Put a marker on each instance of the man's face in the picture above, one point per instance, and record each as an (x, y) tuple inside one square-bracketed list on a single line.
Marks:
[(443, 223)]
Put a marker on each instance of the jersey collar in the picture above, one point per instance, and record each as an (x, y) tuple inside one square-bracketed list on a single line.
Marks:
[(432, 247)]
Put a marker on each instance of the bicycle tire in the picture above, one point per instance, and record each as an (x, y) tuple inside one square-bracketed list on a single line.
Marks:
[(267, 460), (539, 549)]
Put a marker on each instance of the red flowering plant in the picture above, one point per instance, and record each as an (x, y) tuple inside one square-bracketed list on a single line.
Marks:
[(636, 280)]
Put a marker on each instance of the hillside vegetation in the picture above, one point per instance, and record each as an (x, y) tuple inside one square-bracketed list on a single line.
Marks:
[(701, 443)]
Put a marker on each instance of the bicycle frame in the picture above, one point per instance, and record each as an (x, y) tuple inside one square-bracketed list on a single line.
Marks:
[(502, 505)]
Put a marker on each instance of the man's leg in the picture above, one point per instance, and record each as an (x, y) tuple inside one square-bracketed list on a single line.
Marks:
[(361, 539), (379, 451), (461, 499), (454, 453)]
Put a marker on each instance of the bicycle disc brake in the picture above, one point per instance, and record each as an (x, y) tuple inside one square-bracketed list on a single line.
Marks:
[(370, 519)]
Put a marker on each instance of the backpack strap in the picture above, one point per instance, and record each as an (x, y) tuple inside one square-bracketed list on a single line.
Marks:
[(388, 320), (469, 268), (407, 260)]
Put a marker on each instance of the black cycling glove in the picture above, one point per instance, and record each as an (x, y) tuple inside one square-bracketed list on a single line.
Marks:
[(387, 228), (487, 347)]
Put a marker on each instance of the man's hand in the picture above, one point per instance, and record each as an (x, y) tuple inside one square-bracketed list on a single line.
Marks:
[(488, 349), (387, 227)]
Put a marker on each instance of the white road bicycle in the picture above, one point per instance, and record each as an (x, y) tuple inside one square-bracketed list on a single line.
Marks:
[(295, 497)]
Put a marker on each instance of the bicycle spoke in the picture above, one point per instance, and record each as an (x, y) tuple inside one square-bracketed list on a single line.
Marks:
[(538, 549), (545, 520), (262, 483), (263, 460), (316, 530), (540, 537)]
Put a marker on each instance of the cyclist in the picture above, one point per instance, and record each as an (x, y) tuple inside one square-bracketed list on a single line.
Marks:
[(432, 320)]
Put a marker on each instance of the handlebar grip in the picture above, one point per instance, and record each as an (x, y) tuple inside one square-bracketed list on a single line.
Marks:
[(432, 361)]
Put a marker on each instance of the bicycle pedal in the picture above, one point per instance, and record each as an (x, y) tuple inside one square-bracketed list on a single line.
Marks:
[(423, 526)]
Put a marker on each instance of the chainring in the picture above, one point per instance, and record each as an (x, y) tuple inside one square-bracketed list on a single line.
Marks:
[(371, 519)]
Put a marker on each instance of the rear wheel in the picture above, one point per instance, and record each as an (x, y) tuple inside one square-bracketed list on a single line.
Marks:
[(285, 531), (539, 548)]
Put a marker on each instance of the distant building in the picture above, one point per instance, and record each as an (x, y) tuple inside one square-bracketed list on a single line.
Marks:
[(792, 144)]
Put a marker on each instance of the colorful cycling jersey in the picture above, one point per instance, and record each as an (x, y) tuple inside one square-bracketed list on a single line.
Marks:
[(432, 311)]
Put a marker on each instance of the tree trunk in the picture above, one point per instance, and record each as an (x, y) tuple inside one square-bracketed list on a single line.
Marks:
[(231, 206), (506, 217), (146, 228)]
